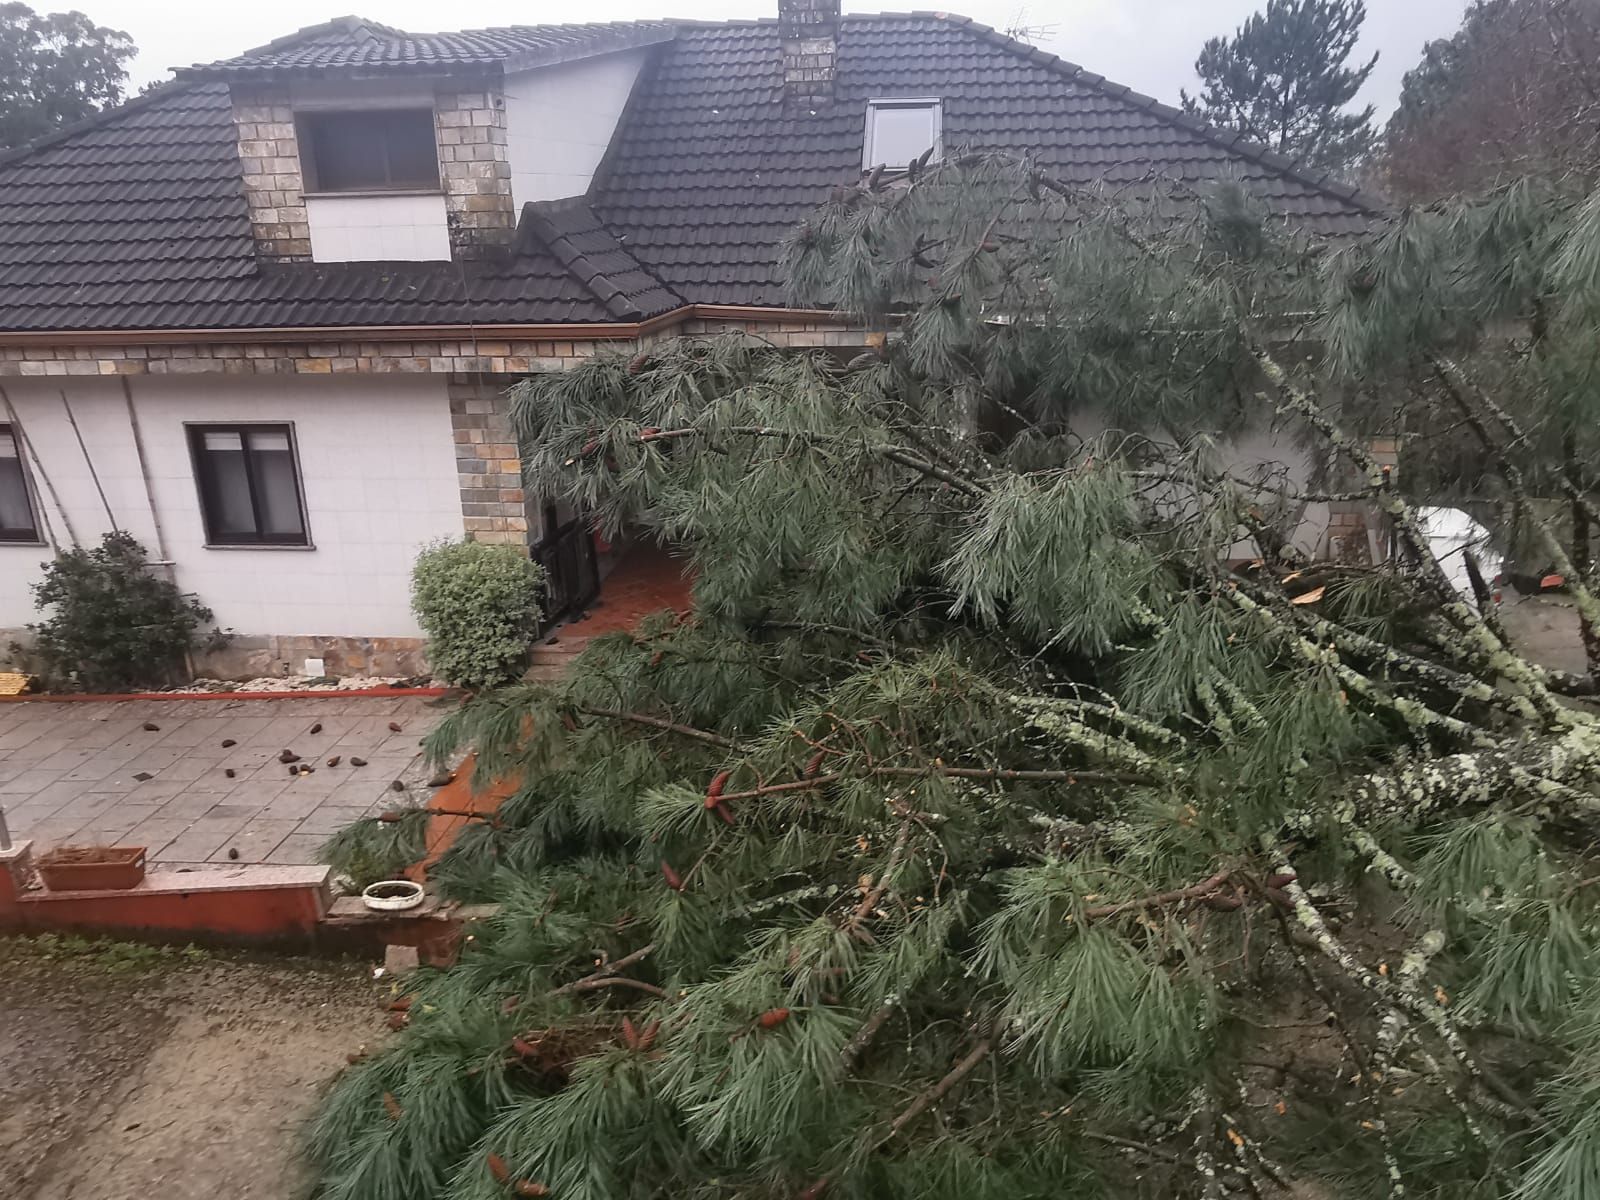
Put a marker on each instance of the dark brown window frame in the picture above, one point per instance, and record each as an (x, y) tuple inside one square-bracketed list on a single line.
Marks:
[(306, 138), (196, 432), (28, 536)]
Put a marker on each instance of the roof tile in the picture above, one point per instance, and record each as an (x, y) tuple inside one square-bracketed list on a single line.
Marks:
[(137, 219)]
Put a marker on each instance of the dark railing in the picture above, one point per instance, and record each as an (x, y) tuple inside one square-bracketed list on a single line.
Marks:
[(571, 578)]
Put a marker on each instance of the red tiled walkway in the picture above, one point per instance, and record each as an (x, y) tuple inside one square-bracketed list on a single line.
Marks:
[(647, 580)]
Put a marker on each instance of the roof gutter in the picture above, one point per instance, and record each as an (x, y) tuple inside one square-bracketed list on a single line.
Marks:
[(594, 331)]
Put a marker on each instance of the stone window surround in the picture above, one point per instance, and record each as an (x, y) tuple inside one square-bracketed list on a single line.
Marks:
[(469, 134)]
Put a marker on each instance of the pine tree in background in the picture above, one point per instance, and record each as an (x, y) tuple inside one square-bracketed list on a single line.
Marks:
[(1281, 80), (981, 833)]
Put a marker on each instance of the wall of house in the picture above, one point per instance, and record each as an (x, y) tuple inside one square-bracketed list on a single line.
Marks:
[(1263, 454), (559, 121), (378, 475), (378, 228)]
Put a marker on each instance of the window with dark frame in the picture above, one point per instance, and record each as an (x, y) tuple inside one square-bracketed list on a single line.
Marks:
[(249, 480), (17, 522), (377, 150)]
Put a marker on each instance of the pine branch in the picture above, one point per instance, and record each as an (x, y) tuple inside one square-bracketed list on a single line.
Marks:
[(895, 454), (940, 1090), (1196, 891), (605, 976), (688, 731), (862, 1038), (1506, 663)]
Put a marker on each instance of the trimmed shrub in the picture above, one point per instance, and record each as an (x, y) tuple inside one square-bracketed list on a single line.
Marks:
[(113, 625), (479, 606)]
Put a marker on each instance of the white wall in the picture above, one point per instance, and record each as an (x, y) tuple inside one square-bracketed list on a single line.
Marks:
[(377, 228), (559, 121), (377, 467)]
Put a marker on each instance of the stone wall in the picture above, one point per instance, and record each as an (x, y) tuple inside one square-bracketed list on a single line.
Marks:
[(269, 157), (809, 30), (448, 355), (475, 169), (493, 506)]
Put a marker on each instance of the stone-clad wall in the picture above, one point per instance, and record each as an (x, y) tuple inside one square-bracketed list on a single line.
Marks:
[(475, 169), (493, 506), (274, 186)]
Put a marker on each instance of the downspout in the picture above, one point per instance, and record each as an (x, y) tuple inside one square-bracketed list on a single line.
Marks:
[(149, 492)]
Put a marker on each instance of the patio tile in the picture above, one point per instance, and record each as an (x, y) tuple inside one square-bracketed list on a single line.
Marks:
[(154, 834), (328, 820), (255, 841), (298, 849), (190, 811), (28, 782)]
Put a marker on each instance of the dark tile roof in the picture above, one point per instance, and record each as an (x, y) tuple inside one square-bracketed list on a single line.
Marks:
[(136, 220), (710, 172), (349, 45)]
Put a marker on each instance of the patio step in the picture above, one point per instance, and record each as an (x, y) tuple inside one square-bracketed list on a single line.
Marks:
[(548, 663)]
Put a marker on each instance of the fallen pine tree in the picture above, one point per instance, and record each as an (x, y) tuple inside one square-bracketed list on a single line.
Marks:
[(992, 826)]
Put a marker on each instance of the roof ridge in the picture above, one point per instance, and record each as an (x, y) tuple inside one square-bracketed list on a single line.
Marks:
[(1232, 142), (160, 91), (360, 28)]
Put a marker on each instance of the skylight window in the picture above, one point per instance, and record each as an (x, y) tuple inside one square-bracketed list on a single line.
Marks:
[(900, 131)]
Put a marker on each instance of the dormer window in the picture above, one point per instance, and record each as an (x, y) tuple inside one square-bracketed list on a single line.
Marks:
[(901, 131), (379, 150)]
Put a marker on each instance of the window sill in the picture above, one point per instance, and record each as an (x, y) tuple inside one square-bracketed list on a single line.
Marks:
[(23, 543), (373, 193), (259, 546)]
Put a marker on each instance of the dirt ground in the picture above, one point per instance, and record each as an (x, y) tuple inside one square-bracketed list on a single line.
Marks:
[(128, 1073)]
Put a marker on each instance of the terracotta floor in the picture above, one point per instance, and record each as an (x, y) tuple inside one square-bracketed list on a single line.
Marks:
[(646, 580)]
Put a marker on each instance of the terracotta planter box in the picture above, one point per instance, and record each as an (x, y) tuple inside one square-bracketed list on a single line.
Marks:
[(92, 868)]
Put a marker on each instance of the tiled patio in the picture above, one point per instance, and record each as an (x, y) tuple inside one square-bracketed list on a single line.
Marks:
[(67, 773)]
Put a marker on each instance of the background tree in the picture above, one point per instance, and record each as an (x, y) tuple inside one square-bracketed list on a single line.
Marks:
[(55, 70), (1281, 80), (1515, 92), (992, 827)]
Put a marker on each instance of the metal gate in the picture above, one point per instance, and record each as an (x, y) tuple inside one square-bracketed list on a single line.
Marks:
[(571, 576)]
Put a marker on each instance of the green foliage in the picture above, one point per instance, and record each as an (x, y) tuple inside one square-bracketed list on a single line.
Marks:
[(479, 606), (1281, 81), (114, 625), (55, 70), (99, 954), (1020, 810), (372, 851)]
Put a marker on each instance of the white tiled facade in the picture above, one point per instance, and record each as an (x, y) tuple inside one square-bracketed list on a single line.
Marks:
[(377, 469), (559, 121), (378, 228)]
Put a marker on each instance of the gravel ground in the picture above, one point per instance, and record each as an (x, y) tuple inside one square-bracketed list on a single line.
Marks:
[(128, 1073)]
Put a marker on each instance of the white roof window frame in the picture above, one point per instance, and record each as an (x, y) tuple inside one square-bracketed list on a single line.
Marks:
[(869, 156)]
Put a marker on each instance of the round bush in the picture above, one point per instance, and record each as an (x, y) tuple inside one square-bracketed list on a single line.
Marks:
[(479, 606)]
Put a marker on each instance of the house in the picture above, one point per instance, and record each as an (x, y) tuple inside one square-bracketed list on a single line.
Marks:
[(262, 317)]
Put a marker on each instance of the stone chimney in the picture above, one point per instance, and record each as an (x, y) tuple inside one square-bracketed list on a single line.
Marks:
[(809, 30)]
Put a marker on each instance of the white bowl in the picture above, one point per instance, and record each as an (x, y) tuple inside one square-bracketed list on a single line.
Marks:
[(392, 895)]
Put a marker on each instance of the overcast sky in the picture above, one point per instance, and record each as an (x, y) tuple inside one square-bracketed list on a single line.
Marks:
[(1150, 45)]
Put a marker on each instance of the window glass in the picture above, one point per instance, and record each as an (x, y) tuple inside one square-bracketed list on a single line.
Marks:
[(249, 485), (899, 133), (277, 491), (16, 509), (371, 150)]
